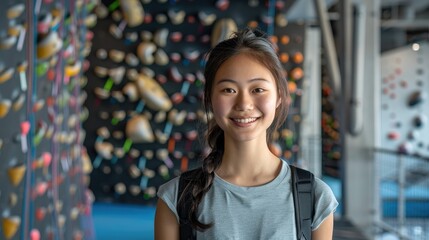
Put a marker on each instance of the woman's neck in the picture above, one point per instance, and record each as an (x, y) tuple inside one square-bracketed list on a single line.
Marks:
[(248, 163)]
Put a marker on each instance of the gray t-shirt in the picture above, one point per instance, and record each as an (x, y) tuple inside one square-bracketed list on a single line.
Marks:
[(261, 212)]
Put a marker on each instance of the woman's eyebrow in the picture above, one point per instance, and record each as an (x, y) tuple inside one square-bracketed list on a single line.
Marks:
[(227, 80)]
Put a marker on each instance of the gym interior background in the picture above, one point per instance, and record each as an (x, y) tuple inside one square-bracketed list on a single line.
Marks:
[(84, 146)]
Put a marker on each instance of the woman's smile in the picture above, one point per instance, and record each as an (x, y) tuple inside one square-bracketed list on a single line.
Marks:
[(244, 120)]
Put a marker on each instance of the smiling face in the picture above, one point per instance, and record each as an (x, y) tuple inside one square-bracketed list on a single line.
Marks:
[(244, 98)]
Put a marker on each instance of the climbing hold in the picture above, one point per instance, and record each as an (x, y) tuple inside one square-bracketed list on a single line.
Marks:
[(405, 148), (4, 107), (16, 174), (393, 136), (416, 98), (138, 129), (10, 226), (419, 121)]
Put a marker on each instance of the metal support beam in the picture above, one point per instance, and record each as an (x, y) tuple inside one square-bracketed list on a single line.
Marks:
[(329, 47), (414, 24), (345, 43), (361, 201), (355, 108)]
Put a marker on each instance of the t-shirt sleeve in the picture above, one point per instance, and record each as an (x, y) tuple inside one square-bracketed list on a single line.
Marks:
[(168, 193), (325, 202)]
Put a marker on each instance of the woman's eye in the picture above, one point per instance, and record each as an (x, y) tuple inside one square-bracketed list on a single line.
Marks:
[(258, 90), (229, 90)]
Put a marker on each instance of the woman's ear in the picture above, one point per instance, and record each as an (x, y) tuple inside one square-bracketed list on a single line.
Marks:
[(279, 101)]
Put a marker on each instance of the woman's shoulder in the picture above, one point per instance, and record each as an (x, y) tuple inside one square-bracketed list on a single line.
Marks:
[(325, 202), (318, 184), (171, 187), (167, 192), (321, 187), (170, 184)]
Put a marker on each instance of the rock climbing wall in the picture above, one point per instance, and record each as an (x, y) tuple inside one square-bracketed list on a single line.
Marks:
[(43, 165), (404, 99), (330, 124), (145, 86)]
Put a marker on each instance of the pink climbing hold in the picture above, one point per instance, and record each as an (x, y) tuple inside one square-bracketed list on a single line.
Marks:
[(393, 136), (34, 234)]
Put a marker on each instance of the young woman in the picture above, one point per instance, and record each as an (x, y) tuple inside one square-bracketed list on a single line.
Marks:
[(242, 190)]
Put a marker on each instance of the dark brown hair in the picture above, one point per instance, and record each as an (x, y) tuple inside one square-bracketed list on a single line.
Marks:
[(255, 44)]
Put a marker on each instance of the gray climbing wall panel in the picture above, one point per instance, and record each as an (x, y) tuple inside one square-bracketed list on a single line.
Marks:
[(404, 99)]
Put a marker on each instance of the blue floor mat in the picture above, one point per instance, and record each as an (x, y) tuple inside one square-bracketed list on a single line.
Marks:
[(118, 221)]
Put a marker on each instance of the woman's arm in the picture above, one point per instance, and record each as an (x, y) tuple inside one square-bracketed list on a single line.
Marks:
[(166, 225), (325, 230)]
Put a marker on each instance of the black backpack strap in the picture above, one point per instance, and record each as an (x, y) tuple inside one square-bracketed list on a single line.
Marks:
[(303, 195), (183, 206)]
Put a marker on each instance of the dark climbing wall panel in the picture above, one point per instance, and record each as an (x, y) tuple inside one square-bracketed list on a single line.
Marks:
[(331, 144), (128, 169)]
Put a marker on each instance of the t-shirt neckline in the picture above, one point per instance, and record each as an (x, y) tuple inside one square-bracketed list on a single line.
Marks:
[(276, 181)]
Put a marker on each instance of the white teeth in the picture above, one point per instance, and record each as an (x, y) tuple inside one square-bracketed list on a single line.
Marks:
[(244, 120)]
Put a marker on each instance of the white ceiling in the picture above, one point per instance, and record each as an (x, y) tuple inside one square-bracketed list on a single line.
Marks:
[(406, 14), (414, 13), (304, 10)]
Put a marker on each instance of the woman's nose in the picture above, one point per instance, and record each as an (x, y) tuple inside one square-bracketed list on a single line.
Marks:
[(243, 102)]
